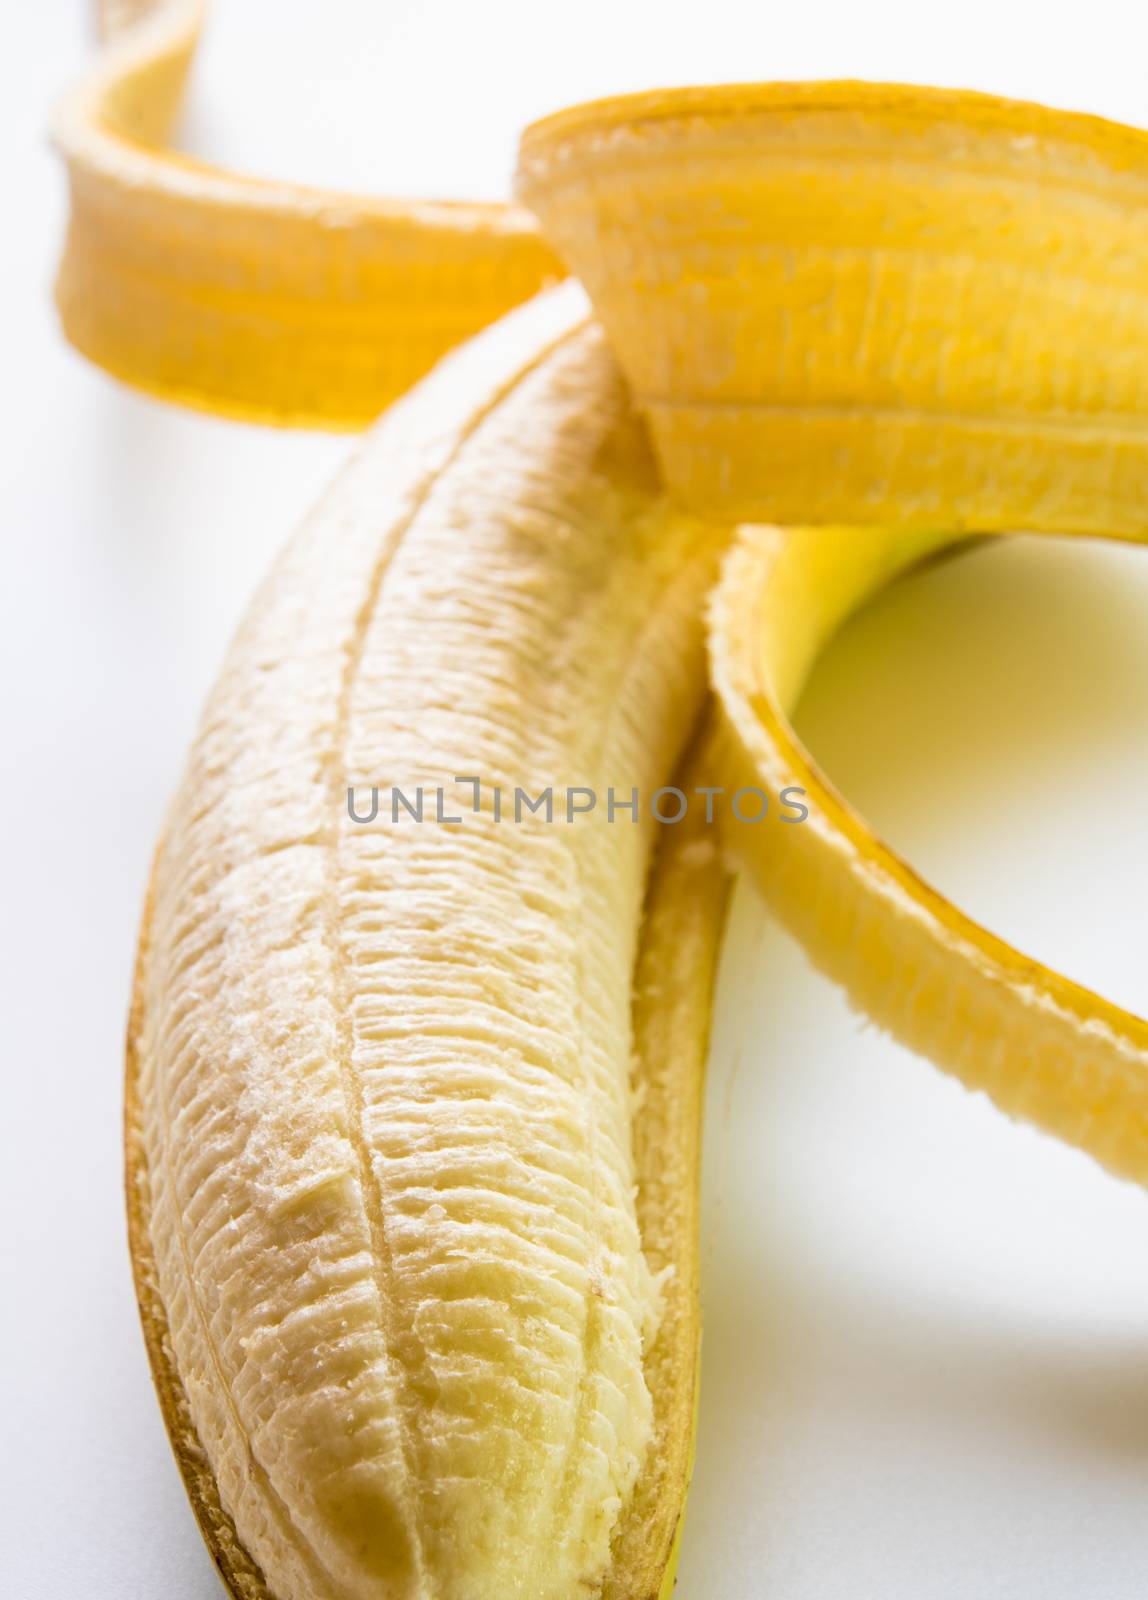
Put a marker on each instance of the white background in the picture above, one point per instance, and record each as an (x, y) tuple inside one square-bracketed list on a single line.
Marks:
[(926, 1356)]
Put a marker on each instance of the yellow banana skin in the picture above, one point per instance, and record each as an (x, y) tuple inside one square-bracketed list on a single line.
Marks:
[(674, 979), (413, 1194), (265, 301), (1044, 1049), (863, 303), (853, 304)]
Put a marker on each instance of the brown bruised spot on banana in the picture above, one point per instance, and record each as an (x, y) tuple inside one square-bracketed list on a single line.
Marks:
[(417, 1280)]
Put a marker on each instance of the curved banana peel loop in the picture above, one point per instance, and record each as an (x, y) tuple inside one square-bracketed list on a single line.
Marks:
[(413, 1113), (265, 301), (1042, 1048)]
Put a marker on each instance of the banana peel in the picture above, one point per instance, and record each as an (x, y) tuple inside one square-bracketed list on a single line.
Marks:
[(853, 303), (265, 301)]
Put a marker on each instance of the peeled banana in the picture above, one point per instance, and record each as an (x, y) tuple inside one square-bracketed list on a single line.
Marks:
[(384, 1086), (413, 1093)]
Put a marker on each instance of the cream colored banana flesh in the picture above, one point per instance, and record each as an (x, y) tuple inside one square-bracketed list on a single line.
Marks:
[(413, 1107), (385, 1083)]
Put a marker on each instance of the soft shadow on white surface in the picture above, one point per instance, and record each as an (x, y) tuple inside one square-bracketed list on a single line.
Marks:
[(925, 1367)]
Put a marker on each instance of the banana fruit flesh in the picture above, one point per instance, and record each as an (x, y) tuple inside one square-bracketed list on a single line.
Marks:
[(384, 1072), (413, 1107)]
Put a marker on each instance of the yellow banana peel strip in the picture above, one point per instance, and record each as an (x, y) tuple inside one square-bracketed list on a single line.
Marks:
[(853, 303), (261, 300), (1043, 1048), (856, 304), (881, 319)]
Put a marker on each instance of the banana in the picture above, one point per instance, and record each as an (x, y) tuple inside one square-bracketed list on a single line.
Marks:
[(382, 1087), (413, 1093)]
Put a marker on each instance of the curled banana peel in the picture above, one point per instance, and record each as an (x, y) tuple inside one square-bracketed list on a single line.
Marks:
[(266, 301), (855, 303), (1043, 1048), (413, 1109)]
